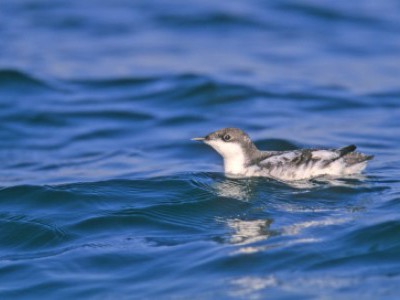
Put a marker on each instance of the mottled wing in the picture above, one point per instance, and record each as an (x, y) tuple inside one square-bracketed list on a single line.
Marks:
[(283, 159), (306, 157), (311, 163)]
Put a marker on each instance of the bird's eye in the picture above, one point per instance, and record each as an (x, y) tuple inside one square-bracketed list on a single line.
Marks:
[(226, 137)]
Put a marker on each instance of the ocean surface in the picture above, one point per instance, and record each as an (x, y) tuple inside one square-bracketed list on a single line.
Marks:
[(104, 196)]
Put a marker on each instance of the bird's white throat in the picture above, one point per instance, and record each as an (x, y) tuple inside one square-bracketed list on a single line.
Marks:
[(233, 154)]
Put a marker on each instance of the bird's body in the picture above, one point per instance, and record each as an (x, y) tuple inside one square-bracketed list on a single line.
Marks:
[(243, 159), (299, 164)]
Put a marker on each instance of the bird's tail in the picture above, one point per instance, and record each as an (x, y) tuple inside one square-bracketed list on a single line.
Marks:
[(355, 158), (350, 157)]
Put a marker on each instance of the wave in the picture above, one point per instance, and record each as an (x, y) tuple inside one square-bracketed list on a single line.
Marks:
[(19, 81), (29, 233), (331, 13), (212, 19), (222, 222)]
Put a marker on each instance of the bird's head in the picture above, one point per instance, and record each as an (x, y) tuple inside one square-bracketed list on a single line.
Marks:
[(230, 143)]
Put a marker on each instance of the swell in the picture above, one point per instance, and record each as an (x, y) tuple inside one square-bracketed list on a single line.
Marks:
[(19, 82), (197, 89), (35, 220), (332, 14), (23, 232), (212, 19), (213, 224), (373, 243)]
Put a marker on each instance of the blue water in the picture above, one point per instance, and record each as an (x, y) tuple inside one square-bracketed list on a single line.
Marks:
[(103, 195)]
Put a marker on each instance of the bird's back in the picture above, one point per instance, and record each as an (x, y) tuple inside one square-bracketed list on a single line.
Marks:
[(309, 163)]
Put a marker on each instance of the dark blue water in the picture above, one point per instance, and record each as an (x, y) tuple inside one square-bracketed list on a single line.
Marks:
[(103, 195)]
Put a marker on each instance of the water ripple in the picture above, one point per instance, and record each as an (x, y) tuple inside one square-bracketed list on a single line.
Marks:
[(103, 195)]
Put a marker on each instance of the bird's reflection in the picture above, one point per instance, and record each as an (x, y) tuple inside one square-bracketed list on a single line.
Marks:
[(243, 232), (239, 189), (246, 232)]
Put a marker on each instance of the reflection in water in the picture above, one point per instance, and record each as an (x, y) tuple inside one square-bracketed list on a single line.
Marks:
[(295, 229), (238, 189), (249, 235), (245, 189), (254, 287), (246, 232), (250, 285), (348, 181)]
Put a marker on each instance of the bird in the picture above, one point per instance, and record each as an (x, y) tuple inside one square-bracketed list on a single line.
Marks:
[(243, 159)]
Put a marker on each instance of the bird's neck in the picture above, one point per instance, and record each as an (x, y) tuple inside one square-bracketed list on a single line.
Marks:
[(237, 161), (235, 165)]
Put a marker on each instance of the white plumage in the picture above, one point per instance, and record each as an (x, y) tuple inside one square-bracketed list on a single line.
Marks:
[(243, 159)]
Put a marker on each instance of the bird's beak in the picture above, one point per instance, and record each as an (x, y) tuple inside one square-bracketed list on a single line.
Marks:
[(198, 139)]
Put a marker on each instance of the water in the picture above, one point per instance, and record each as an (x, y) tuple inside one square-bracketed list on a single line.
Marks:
[(103, 195)]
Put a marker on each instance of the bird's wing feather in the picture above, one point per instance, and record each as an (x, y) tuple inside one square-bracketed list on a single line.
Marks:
[(286, 157), (305, 156)]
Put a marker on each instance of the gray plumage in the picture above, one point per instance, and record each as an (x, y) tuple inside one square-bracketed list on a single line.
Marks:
[(242, 158)]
